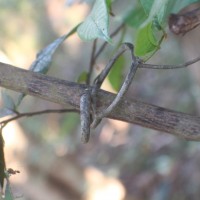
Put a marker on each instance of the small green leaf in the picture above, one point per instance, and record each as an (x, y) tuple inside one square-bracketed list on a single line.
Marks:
[(108, 3), (156, 24), (151, 35), (145, 40), (44, 58), (116, 73), (147, 4), (152, 30), (159, 10), (135, 17), (82, 77), (96, 24)]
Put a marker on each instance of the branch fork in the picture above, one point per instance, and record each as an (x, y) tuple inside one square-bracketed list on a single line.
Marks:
[(89, 98), (88, 101)]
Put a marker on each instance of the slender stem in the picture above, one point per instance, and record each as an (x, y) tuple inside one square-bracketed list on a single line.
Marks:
[(105, 43), (125, 86), (92, 62), (152, 66), (95, 55), (30, 114), (99, 79), (158, 46)]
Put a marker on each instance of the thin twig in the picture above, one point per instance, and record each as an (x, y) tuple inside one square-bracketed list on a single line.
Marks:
[(95, 55), (125, 86), (92, 62), (158, 46), (152, 66), (105, 43), (100, 78), (30, 114)]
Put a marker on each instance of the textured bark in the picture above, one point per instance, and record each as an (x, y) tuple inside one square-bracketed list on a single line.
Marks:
[(132, 111)]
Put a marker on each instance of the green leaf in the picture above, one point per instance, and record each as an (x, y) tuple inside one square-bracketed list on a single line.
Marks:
[(82, 77), (156, 24), (109, 3), (96, 24), (158, 9), (44, 58), (147, 4), (152, 30), (115, 75), (135, 17), (145, 40)]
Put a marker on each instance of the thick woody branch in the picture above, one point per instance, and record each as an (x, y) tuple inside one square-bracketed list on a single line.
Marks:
[(128, 110)]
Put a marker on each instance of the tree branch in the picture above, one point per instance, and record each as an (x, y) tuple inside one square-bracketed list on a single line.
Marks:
[(128, 110)]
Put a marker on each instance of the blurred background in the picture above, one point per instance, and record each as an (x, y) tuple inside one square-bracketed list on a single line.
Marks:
[(122, 161)]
